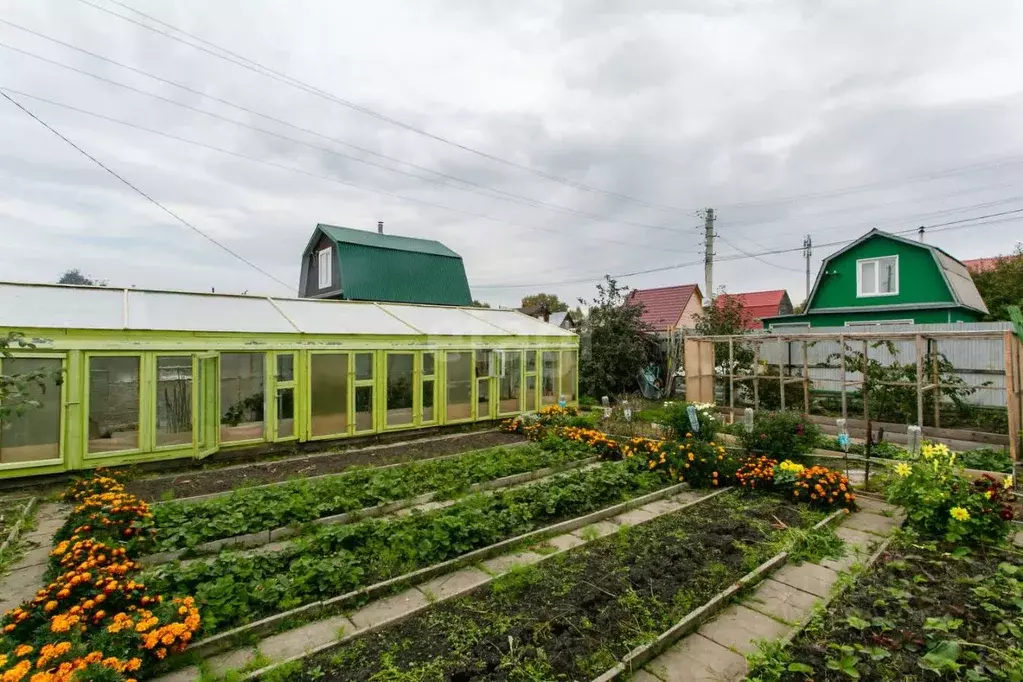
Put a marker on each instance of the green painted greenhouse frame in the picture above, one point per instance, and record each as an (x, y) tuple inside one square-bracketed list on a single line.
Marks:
[(150, 376)]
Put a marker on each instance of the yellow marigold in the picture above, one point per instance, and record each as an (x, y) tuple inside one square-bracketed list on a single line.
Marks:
[(959, 514)]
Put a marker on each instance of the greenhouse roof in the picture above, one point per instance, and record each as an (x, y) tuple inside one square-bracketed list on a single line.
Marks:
[(58, 306)]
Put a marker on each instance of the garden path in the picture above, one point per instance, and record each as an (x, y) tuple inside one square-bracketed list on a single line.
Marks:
[(26, 576)]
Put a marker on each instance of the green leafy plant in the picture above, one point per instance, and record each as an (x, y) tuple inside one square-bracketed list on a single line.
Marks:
[(675, 415), (780, 435)]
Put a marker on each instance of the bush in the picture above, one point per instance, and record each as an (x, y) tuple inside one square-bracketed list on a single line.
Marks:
[(780, 435), (986, 459), (675, 416), (702, 464)]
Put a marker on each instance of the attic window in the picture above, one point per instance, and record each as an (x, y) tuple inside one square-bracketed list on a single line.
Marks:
[(323, 270), (877, 276)]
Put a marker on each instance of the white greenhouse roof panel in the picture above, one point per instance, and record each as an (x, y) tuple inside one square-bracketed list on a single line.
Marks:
[(60, 307), (518, 323), (336, 317), (442, 321)]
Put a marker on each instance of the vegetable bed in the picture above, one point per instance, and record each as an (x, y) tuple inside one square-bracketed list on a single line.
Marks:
[(574, 616), (235, 589), (185, 525), (923, 613)]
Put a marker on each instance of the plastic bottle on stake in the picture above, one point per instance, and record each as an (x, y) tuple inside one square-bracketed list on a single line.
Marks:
[(747, 419), (914, 441), (694, 420)]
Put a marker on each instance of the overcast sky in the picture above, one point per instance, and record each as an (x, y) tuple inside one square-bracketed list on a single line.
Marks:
[(787, 117)]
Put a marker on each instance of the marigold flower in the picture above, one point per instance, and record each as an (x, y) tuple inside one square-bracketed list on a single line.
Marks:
[(959, 514)]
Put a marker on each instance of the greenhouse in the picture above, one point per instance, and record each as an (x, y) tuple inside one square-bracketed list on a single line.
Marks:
[(159, 375)]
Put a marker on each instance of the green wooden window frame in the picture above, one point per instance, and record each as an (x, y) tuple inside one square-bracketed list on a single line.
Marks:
[(531, 375), (472, 385), (268, 368), (349, 396), (428, 375), (414, 412), (61, 395), (555, 373), (376, 410), (141, 407), (504, 374), (281, 383), (152, 386)]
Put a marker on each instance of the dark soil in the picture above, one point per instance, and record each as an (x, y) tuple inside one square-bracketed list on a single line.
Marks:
[(921, 608), (202, 482), (574, 616)]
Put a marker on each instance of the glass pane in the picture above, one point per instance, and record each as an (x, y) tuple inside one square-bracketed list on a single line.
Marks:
[(889, 280), (429, 387), (483, 399), (459, 388), (868, 277), (511, 382), (399, 388), (364, 408), (530, 393), (550, 377), (173, 400), (329, 390), (286, 367), (34, 435), (285, 412), (113, 403), (429, 359), (363, 366), (483, 363), (569, 362), (241, 396), (530, 361)]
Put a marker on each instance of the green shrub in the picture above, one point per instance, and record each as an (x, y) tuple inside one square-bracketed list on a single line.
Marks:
[(781, 435), (675, 416), (986, 459)]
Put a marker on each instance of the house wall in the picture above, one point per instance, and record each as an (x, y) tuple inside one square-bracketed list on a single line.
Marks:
[(692, 311), (311, 284), (920, 280), (918, 316)]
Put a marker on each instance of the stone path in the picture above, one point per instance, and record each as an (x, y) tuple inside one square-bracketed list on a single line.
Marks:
[(328, 631), (717, 651), (26, 575)]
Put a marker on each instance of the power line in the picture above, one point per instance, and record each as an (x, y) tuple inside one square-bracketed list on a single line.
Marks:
[(268, 72), (504, 195), (143, 194), (753, 255), (322, 177)]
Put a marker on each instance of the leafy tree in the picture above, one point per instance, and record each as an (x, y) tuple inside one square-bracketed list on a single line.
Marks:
[(1002, 286), (16, 389), (549, 303), (76, 276), (618, 343), (480, 304), (799, 309)]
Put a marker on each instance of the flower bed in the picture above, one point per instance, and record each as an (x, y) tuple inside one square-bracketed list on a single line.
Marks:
[(575, 615), (182, 525), (95, 620)]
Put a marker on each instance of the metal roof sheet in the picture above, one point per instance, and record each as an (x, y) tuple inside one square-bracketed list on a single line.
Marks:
[(394, 242)]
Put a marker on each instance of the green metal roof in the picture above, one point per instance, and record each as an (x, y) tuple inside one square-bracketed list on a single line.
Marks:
[(382, 267)]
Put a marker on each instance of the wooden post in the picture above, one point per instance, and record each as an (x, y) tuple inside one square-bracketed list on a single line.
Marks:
[(936, 380), (806, 378), (1012, 397), (756, 375), (863, 384), (781, 373), (841, 375), (731, 377), (920, 352)]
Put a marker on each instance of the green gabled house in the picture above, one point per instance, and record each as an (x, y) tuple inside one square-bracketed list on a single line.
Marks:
[(884, 279), (358, 265)]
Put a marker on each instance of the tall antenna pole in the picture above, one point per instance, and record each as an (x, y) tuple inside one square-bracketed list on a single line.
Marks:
[(807, 252), (708, 258)]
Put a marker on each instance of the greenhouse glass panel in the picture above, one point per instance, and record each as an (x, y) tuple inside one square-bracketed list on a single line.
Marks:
[(33, 436), (569, 367), (549, 393), (459, 385), (329, 394), (285, 412), (364, 408), (530, 361), (363, 366), (429, 362), (429, 388), (113, 403), (530, 393), (399, 388), (511, 383), (483, 398), (242, 398), (173, 400), (194, 312), (286, 367)]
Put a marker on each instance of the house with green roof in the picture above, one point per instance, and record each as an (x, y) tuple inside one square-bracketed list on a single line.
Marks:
[(358, 265), (882, 279)]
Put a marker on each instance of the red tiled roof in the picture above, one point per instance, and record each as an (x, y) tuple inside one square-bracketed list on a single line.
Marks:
[(757, 305), (983, 264), (662, 307)]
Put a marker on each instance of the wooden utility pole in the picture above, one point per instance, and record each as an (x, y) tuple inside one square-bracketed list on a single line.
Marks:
[(708, 258), (807, 252)]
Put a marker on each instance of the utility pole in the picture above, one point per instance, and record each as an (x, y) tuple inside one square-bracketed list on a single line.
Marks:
[(807, 252), (708, 258)]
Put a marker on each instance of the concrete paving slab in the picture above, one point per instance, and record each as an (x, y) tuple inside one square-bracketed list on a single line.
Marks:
[(631, 518), (232, 660), (687, 496), (781, 601), (565, 542), (877, 506), (856, 541), (738, 628), (661, 507), (391, 607), (300, 640), (870, 523), (454, 583), (503, 564), (698, 659), (598, 529), (644, 676), (842, 564), (189, 674), (808, 577), (34, 557)]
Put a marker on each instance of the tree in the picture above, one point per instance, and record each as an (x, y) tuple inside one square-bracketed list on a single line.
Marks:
[(76, 276), (480, 304), (799, 309), (549, 303), (1002, 286), (16, 390), (618, 342)]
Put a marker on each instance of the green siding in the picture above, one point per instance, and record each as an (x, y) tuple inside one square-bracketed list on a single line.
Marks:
[(373, 274), (919, 316), (920, 279)]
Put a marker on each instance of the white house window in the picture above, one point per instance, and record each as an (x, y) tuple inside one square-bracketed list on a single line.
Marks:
[(877, 276), (323, 269)]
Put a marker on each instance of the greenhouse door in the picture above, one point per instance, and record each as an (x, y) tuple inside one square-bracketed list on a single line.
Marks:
[(486, 386), (208, 412)]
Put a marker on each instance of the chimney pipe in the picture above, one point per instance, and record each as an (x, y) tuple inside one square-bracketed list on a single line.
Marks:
[(921, 233), (380, 227)]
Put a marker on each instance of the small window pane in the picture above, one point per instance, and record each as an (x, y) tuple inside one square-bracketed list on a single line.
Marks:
[(429, 360), (530, 393), (34, 435), (323, 266), (483, 363), (285, 412), (429, 388), (241, 396), (329, 392), (364, 408), (569, 361), (868, 277), (363, 366), (286, 367), (113, 403), (530, 361), (399, 388), (511, 382), (888, 280), (550, 377), (173, 400), (483, 399), (459, 385)]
